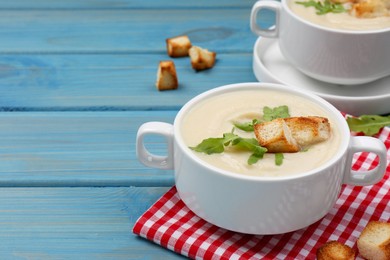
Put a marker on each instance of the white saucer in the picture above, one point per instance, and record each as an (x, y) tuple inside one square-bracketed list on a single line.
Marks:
[(269, 65)]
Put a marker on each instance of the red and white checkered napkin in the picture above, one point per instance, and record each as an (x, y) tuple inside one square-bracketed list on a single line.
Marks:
[(172, 225)]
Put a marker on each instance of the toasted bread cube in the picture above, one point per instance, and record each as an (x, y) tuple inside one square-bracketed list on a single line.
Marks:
[(334, 250), (370, 8), (166, 76), (201, 59), (276, 137), (309, 130), (374, 241), (292, 134), (178, 46)]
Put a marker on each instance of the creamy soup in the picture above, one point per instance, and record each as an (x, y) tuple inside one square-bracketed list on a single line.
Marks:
[(343, 21), (215, 116)]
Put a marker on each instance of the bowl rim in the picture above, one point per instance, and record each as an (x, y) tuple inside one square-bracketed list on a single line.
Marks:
[(336, 115), (329, 29)]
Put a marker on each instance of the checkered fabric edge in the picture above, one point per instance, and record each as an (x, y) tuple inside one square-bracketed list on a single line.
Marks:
[(169, 223)]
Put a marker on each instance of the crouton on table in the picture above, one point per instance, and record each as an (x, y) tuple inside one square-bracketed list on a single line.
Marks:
[(201, 59), (178, 46), (374, 241), (334, 250), (166, 76)]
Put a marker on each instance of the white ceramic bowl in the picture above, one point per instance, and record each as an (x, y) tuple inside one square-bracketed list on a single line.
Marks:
[(259, 205), (269, 65), (336, 56)]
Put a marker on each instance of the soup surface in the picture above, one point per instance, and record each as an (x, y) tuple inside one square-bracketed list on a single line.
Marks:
[(343, 21), (215, 116)]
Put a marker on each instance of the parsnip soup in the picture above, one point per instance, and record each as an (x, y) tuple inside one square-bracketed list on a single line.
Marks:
[(355, 16), (216, 116)]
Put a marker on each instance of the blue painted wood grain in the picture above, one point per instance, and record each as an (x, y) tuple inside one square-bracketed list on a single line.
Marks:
[(76, 82), (120, 4), (97, 59), (75, 223), (108, 82), (124, 31), (78, 149)]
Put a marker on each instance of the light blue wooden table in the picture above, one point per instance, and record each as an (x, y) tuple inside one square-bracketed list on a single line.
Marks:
[(76, 81)]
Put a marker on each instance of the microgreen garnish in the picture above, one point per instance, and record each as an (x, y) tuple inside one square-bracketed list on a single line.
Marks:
[(270, 114), (247, 126), (252, 145), (324, 7), (368, 124), (214, 145), (279, 159), (217, 145)]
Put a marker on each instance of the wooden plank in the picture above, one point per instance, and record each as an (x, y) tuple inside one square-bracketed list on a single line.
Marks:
[(120, 4), (124, 31), (108, 82), (78, 149), (76, 223)]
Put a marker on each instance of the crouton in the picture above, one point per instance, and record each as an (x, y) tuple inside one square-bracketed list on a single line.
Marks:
[(290, 135), (201, 59), (308, 130), (166, 76), (276, 137), (178, 46), (334, 250), (370, 8), (374, 241)]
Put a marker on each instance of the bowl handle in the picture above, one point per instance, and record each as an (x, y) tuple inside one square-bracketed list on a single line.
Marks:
[(153, 160), (265, 4), (366, 144)]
